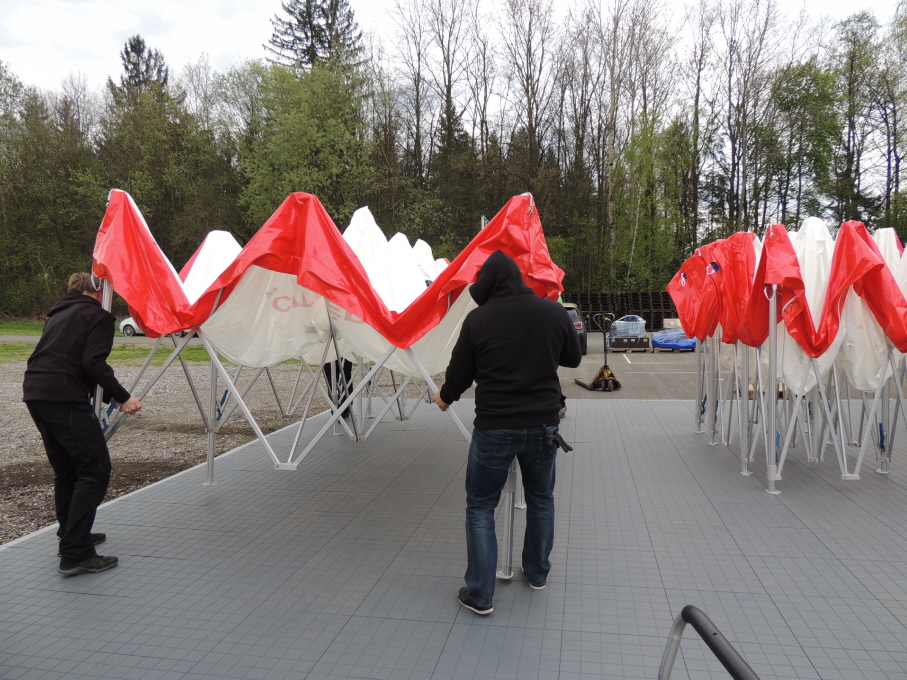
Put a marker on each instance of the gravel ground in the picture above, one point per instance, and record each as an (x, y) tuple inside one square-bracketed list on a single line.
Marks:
[(167, 436)]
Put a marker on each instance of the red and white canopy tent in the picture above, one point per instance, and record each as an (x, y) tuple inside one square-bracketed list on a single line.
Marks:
[(298, 290), (844, 312)]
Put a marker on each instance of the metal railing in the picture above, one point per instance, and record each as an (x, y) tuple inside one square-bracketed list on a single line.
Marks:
[(721, 648)]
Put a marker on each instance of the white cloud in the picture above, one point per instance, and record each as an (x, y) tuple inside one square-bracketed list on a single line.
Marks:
[(45, 40)]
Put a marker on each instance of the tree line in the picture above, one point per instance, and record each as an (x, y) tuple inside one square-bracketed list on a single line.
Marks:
[(640, 133)]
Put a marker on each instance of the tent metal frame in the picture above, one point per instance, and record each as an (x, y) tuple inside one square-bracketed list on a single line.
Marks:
[(818, 417), (217, 413)]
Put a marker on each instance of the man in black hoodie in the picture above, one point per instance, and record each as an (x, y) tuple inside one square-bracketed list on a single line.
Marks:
[(511, 346), (69, 361)]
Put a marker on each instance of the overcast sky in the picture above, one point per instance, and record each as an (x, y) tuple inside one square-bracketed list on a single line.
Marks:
[(42, 41)]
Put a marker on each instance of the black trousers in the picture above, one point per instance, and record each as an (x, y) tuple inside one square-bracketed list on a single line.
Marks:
[(78, 454), (339, 386)]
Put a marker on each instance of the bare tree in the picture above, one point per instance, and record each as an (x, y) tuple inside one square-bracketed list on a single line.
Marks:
[(448, 32), (414, 38), (890, 101), (528, 37), (198, 81), (614, 32), (481, 73), (749, 45), (701, 20)]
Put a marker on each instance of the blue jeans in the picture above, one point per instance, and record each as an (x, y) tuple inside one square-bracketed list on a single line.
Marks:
[(491, 453)]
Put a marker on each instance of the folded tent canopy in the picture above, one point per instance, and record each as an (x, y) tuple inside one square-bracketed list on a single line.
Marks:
[(298, 290), (833, 297)]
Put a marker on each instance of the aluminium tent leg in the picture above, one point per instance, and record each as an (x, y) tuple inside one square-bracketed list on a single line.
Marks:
[(304, 395), (729, 400), (771, 441), (884, 426), (837, 434), (758, 409), (239, 400), (146, 364), (426, 394), (388, 406), (401, 408), (106, 304), (508, 498), (868, 430), (296, 387), (743, 411), (210, 428), (309, 395), (336, 414), (700, 384), (178, 349), (810, 437), (794, 417), (843, 408), (226, 413), (839, 412), (283, 411), (712, 391), (863, 412), (431, 384), (885, 459), (885, 464), (114, 426)]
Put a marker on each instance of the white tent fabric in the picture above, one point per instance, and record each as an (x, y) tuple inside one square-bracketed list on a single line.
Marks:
[(398, 272), (270, 318), (814, 247), (216, 253)]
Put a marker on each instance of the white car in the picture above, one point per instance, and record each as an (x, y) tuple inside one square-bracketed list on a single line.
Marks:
[(129, 327)]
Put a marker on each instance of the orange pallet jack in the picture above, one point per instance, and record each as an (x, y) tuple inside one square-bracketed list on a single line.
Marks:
[(604, 380)]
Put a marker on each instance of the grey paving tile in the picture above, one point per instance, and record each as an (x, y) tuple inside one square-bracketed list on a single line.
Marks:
[(349, 566)]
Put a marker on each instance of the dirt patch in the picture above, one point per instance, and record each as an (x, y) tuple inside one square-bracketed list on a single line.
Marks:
[(27, 499), (168, 436)]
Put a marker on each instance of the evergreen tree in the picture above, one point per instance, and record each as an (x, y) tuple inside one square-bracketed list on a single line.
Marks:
[(142, 67), (316, 32)]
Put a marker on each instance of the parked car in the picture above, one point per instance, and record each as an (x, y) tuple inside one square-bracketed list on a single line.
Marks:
[(578, 323), (129, 327)]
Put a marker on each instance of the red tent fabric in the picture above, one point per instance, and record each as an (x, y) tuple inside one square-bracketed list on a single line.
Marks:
[(725, 295), (880, 290), (301, 239), (686, 290)]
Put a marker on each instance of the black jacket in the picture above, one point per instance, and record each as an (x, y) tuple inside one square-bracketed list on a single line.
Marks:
[(511, 347), (70, 359)]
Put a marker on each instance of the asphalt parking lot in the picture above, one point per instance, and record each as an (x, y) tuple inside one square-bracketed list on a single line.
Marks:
[(642, 375)]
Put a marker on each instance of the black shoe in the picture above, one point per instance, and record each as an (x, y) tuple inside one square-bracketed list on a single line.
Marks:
[(471, 605), (95, 540), (91, 565), (535, 586)]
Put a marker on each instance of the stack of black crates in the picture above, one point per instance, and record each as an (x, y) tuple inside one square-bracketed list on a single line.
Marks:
[(653, 306)]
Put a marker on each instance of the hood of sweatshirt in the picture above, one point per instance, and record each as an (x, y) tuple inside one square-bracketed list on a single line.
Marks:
[(72, 297), (498, 277)]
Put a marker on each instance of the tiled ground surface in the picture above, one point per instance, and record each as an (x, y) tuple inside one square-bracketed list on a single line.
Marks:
[(349, 567)]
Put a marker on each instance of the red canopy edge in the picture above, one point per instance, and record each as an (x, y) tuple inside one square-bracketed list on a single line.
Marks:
[(301, 239), (706, 295)]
